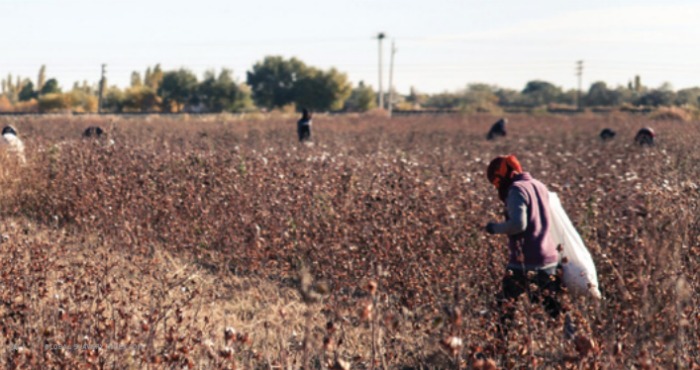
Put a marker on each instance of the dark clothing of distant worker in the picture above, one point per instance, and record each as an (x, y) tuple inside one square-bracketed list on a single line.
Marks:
[(9, 130), (93, 131), (533, 257), (304, 126), (498, 129), (607, 134), (645, 136)]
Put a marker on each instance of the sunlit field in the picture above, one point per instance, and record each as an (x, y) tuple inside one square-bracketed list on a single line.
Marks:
[(221, 242)]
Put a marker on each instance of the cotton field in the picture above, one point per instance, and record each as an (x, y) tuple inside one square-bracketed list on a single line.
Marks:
[(221, 242)]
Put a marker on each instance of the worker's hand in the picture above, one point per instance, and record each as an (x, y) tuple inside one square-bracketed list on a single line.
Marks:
[(490, 228)]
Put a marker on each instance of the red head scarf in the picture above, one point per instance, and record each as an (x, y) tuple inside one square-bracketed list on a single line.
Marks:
[(501, 171)]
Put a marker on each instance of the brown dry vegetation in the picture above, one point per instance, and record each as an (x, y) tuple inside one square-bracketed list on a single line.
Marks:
[(365, 250)]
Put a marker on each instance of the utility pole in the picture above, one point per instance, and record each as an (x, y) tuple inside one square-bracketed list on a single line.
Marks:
[(391, 78), (579, 73), (380, 37), (102, 89)]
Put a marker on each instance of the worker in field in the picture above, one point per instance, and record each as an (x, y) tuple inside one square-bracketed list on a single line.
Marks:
[(498, 129), (534, 258), (99, 135), (93, 132), (645, 136), (11, 143), (607, 134), (304, 126)]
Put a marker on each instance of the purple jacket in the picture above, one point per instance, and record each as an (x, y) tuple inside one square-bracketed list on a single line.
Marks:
[(528, 224)]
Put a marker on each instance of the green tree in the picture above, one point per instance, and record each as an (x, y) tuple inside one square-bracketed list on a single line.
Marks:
[(538, 93), (481, 97), (569, 97), (508, 97), (11, 91), (27, 93), (416, 99), (322, 90), (88, 88), (657, 97), (177, 89), (83, 86), (114, 99), (81, 100), (599, 95), (141, 99), (154, 78), (277, 82), (41, 79), (50, 87), (147, 76), (273, 80), (54, 102), (222, 93), (445, 100), (136, 79), (690, 96), (638, 87), (362, 99)]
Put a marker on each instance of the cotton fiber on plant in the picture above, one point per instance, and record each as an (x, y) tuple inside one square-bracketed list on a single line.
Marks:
[(579, 270)]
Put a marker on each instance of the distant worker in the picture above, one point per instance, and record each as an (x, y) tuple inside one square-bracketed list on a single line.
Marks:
[(93, 131), (645, 136), (304, 126), (11, 143), (534, 258), (98, 136), (607, 134), (498, 129)]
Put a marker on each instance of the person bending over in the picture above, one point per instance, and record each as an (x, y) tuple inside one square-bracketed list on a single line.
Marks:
[(534, 258)]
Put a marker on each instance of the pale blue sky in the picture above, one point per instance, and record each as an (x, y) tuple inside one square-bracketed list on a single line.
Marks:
[(442, 44)]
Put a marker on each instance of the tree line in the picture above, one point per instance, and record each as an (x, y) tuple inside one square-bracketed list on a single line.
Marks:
[(539, 94), (277, 83)]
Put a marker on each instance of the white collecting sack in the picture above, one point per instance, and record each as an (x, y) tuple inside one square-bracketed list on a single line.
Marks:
[(579, 270), (12, 144)]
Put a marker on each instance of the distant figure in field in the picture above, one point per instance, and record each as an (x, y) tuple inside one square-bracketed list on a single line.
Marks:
[(607, 134), (11, 143), (93, 131), (304, 126), (645, 136), (98, 135), (498, 129)]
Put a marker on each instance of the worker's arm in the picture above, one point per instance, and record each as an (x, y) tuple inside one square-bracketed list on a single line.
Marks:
[(516, 204)]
